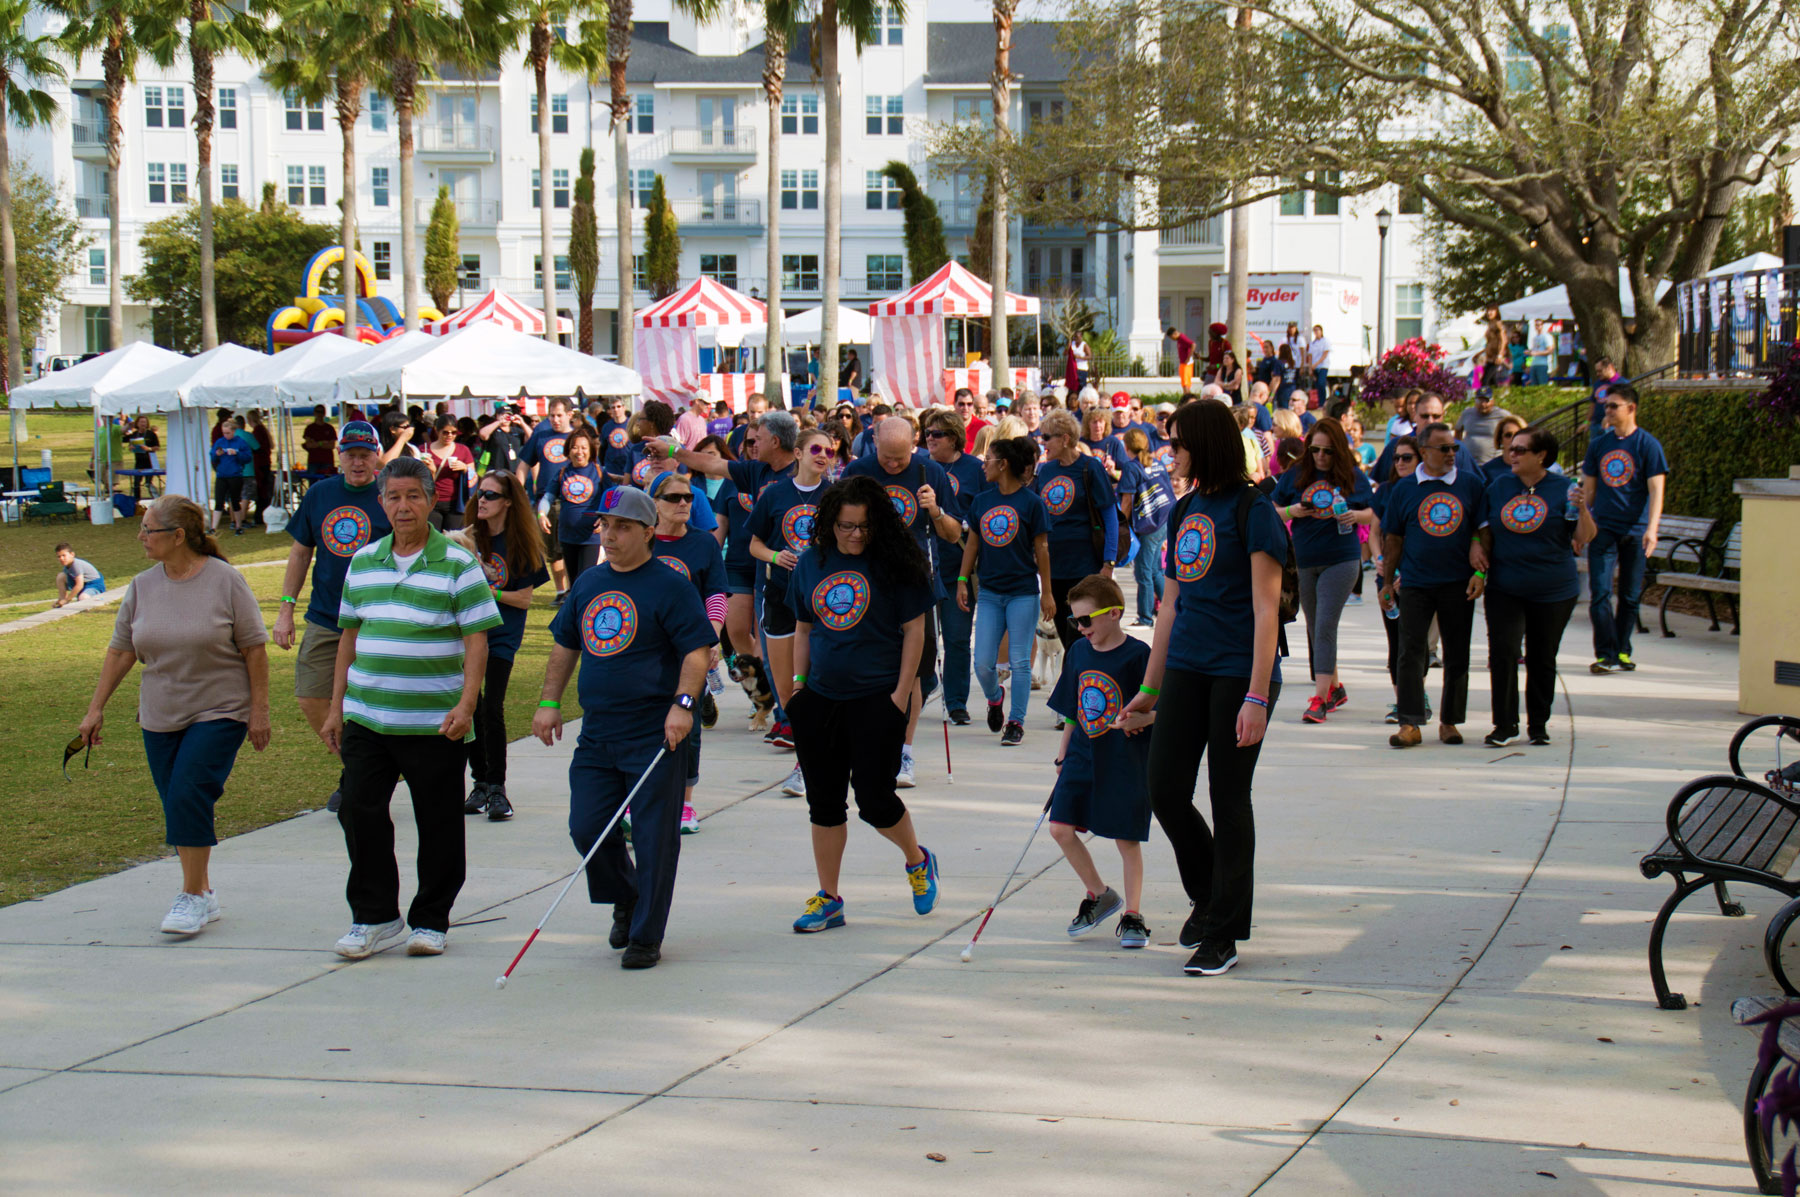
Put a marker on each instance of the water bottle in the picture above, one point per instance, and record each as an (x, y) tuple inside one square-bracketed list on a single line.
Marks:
[(715, 681), (1389, 607), (1339, 509)]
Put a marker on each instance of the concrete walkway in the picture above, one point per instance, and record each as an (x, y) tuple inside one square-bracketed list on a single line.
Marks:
[(1446, 992)]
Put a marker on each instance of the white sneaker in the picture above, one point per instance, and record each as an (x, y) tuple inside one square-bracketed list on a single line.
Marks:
[(795, 785), (187, 916), (690, 823), (425, 943), (363, 938), (213, 909), (903, 780)]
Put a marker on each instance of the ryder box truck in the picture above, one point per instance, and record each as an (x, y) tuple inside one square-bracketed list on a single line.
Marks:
[(1306, 298)]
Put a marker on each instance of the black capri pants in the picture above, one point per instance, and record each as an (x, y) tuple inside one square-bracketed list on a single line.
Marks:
[(849, 745), (487, 751)]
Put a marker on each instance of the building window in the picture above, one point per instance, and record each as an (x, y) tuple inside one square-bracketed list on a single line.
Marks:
[(880, 192), (307, 115), (158, 175), (153, 107), (227, 108), (888, 26), (975, 110), (720, 267), (641, 118), (884, 115), (642, 182), (98, 326), (800, 272), (1293, 203), (884, 272), (1409, 311), (639, 280), (378, 113), (378, 186), (296, 186), (799, 114), (1324, 202), (381, 254), (1411, 202), (564, 279), (228, 180), (471, 271), (175, 101), (537, 188), (97, 267), (800, 190), (559, 114), (315, 186), (1044, 111), (559, 185)]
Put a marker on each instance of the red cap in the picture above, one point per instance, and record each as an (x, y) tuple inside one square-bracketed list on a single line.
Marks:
[(1121, 399)]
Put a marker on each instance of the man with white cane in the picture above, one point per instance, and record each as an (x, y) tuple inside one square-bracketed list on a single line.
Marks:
[(641, 636)]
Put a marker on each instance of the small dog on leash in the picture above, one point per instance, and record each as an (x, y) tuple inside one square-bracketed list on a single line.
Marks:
[(749, 673), (1048, 666)]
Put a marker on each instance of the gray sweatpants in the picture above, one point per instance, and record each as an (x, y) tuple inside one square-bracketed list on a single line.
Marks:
[(1323, 592)]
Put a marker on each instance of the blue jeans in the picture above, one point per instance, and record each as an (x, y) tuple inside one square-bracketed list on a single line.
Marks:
[(1612, 630), (1147, 570), (189, 768), (1322, 382), (1539, 374), (1014, 616), (955, 625)]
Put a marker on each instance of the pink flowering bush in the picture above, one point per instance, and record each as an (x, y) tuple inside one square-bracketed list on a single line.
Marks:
[(1779, 403), (1412, 364)]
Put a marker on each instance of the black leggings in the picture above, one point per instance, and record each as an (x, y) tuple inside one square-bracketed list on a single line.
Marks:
[(1065, 624), (1197, 715), (487, 751), (849, 744), (578, 558)]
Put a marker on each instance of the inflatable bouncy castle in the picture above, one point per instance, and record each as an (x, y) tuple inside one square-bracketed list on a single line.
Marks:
[(312, 313)]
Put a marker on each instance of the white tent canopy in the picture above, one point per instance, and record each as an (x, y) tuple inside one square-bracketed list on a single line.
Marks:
[(489, 360), (318, 381), (257, 385), (1553, 303), (171, 388), (92, 381), (853, 328)]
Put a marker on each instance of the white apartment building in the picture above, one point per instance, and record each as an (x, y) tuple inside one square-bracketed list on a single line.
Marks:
[(699, 119)]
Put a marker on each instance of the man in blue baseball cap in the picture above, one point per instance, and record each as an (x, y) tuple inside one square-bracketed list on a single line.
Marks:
[(338, 516)]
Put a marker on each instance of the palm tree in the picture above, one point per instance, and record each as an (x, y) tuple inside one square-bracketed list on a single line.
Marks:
[(121, 31), (779, 18), (1001, 82), (859, 17), (24, 59), (214, 28)]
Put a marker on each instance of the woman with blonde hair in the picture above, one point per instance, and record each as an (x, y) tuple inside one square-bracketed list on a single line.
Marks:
[(192, 622)]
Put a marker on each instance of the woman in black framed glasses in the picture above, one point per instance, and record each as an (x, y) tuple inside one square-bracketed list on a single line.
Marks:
[(511, 551)]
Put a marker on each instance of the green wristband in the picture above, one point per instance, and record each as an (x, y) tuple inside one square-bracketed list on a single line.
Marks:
[(962, 577), (550, 702), (800, 679), (1153, 693), (288, 598)]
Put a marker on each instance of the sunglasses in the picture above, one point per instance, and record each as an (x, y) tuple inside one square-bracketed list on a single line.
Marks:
[(485, 495), (939, 433), (70, 749), (1087, 621), (1406, 457), (1321, 451), (677, 496), (851, 529)]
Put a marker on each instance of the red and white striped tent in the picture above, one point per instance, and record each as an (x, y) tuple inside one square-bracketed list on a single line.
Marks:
[(497, 307), (703, 302), (951, 291), (668, 343), (907, 356)]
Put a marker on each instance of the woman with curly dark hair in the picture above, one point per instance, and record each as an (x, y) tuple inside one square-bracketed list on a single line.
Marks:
[(859, 597)]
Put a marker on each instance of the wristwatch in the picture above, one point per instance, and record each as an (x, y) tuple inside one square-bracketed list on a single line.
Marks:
[(685, 701)]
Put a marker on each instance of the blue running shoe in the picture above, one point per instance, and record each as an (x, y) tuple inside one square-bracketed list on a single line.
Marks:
[(923, 879), (822, 913)]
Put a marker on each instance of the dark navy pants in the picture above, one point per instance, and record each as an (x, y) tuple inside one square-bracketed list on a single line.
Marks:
[(189, 768), (601, 774)]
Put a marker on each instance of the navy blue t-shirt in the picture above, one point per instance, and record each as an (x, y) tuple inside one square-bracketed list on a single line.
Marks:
[(504, 641), (1109, 450), (1318, 542), (1064, 490), (615, 447), (1103, 785), (1623, 467), (721, 494), (784, 518), (695, 556), (1005, 528), (967, 479), (1436, 520), (1209, 561), (545, 450), (748, 479), (578, 519), (1534, 538), (903, 489), (335, 520), (632, 630), (857, 626)]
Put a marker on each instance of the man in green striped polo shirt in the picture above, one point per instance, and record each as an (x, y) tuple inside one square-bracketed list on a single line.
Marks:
[(415, 616)]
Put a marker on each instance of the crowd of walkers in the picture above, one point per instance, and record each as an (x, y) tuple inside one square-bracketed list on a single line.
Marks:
[(849, 566)]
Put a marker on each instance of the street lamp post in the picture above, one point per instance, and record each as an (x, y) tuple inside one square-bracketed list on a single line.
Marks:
[(1383, 219)]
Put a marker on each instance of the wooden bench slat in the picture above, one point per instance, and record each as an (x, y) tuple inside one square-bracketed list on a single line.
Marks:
[(1761, 840), (1699, 582), (1695, 820), (1775, 852), (1727, 816)]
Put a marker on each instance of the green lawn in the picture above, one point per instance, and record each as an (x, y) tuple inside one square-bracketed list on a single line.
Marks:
[(54, 833)]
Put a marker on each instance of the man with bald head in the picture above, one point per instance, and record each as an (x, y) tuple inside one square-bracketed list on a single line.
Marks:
[(914, 482)]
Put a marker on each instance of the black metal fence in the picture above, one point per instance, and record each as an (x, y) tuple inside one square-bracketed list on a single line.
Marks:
[(1737, 325)]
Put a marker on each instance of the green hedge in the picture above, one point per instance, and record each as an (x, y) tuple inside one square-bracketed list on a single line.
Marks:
[(1712, 439)]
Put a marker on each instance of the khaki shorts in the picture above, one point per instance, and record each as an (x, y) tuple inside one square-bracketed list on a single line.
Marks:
[(316, 663)]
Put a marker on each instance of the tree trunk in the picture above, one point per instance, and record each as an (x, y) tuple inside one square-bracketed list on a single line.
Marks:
[(540, 67), (775, 48), (349, 107), (9, 252), (112, 61), (618, 52), (834, 201), (405, 82), (199, 13), (1237, 297), (1001, 84)]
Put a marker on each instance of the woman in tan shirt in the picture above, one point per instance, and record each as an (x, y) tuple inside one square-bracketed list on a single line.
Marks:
[(193, 623)]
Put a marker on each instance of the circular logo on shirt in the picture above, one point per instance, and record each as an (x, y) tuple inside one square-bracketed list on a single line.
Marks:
[(576, 488), (1618, 468), (840, 599), (617, 439), (642, 472), (1000, 525), (745, 501), (1524, 513), (1440, 513), (955, 486), (554, 453), (1164, 457), (1058, 493), (494, 566), (678, 565), (609, 624), (1194, 547), (346, 530), (905, 503), (797, 526), (1098, 702), (1318, 496)]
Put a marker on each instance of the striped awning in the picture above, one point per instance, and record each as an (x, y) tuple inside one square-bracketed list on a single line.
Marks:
[(702, 303), (951, 291), (497, 307)]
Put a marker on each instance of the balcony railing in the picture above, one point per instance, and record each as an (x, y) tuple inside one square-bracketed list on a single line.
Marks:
[(456, 139), (93, 207), (1200, 234), (1737, 326), (730, 141), (478, 212), (734, 214), (958, 213), (1059, 283), (88, 135)]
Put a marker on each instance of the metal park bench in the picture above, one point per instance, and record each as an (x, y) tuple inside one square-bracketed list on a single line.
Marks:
[(1711, 559)]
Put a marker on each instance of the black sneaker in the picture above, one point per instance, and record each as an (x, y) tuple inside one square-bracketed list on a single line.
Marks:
[(709, 710), (1499, 738), (1625, 662), (645, 955), (1191, 930), (997, 716), (959, 717), (1131, 931), (1602, 665), (1211, 958), (498, 808), (477, 800), (1095, 910), (1539, 736), (1013, 735), (621, 928)]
